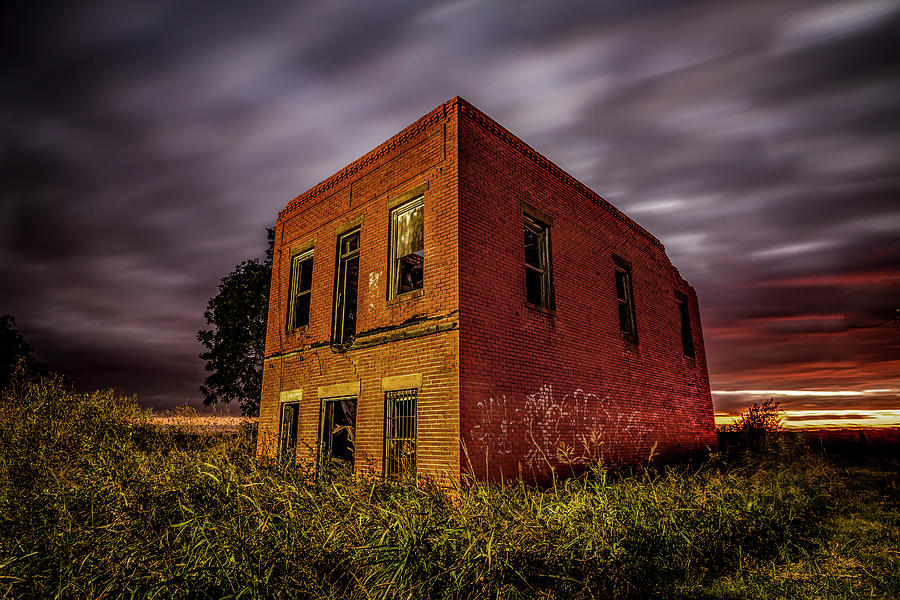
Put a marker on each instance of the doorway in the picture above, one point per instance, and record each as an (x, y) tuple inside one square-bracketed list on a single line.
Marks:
[(337, 435)]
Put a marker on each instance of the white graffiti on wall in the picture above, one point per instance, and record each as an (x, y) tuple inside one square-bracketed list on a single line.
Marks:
[(544, 426), (374, 276)]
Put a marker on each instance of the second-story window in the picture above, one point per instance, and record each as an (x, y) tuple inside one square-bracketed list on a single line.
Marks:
[(301, 284), (346, 282), (625, 298), (687, 337), (407, 247), (538, 288)]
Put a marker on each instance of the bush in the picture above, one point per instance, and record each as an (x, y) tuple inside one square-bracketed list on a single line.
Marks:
[(758, 429), (759, 418)]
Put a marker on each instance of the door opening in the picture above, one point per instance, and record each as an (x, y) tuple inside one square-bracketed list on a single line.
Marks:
[(337, 435)]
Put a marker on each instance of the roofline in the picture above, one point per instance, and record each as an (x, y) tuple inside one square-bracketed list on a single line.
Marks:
[(440, 113), (552, 168)]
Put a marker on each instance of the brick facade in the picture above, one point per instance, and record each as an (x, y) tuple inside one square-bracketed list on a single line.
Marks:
[(505, 388)]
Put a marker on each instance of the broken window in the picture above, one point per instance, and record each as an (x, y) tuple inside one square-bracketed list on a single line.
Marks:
[(407, 247), (625, 297), (537, 263), (337, 435), (345, 289), (301, 283), (687, 338), (400, 432), (287, 435)]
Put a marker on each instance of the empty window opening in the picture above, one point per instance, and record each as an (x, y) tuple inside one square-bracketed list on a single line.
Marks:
[(287, 435), (537, 263), (407, 247), (625, 298), (345, 289), (301, 284), (400, 432), (687, 338), (337, 435)]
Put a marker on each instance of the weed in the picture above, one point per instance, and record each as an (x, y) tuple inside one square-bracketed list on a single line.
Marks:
[(96, 501)]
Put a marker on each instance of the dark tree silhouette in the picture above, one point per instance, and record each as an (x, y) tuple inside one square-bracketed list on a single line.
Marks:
[(236, 342), (15, 353), (760, 417)]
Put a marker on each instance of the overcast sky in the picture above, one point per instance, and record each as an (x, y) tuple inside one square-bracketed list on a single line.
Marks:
[(145, 147)]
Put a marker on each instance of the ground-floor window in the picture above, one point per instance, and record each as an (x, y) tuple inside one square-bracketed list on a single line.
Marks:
[(400, 432), (337, 435), (287, 434)]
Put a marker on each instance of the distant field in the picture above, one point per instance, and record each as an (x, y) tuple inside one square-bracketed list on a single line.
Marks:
[(863, 441), (99, 501), (878, 436), (211, 423)]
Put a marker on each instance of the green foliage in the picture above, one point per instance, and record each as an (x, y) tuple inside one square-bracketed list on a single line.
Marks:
[(16, 356), (235, 345), (96, 502)]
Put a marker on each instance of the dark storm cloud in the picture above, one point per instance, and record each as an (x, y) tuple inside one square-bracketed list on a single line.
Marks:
[(145, 147)]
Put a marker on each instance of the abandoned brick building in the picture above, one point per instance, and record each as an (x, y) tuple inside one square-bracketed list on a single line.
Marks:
[(453, 301)]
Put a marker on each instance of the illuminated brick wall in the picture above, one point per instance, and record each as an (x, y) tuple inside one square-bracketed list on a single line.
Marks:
[(415, 335), (536, 383), (504, 387)]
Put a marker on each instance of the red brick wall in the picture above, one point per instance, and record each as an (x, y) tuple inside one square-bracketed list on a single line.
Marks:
[(303, 360), (534, 381)]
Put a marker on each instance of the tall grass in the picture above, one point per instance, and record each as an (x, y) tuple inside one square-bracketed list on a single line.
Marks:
[(96, 502)]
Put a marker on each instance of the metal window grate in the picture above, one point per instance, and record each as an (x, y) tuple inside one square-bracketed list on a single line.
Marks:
[(400, 432)]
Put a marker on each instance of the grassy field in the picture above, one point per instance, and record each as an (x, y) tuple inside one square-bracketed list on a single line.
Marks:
[(96, 501)]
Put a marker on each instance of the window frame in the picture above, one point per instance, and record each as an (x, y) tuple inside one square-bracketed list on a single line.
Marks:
[(298, 258), (622, 267), (688, 348), (339, 334), (325, 452), (545, 270), (391, 467), (393, 260), (283, 447)]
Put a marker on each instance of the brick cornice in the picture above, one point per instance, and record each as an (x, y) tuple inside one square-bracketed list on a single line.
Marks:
[(537, 158), (438, 114)]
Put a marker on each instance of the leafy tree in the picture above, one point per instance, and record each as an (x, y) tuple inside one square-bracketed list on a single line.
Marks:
[(236, 342), (15, 353)]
